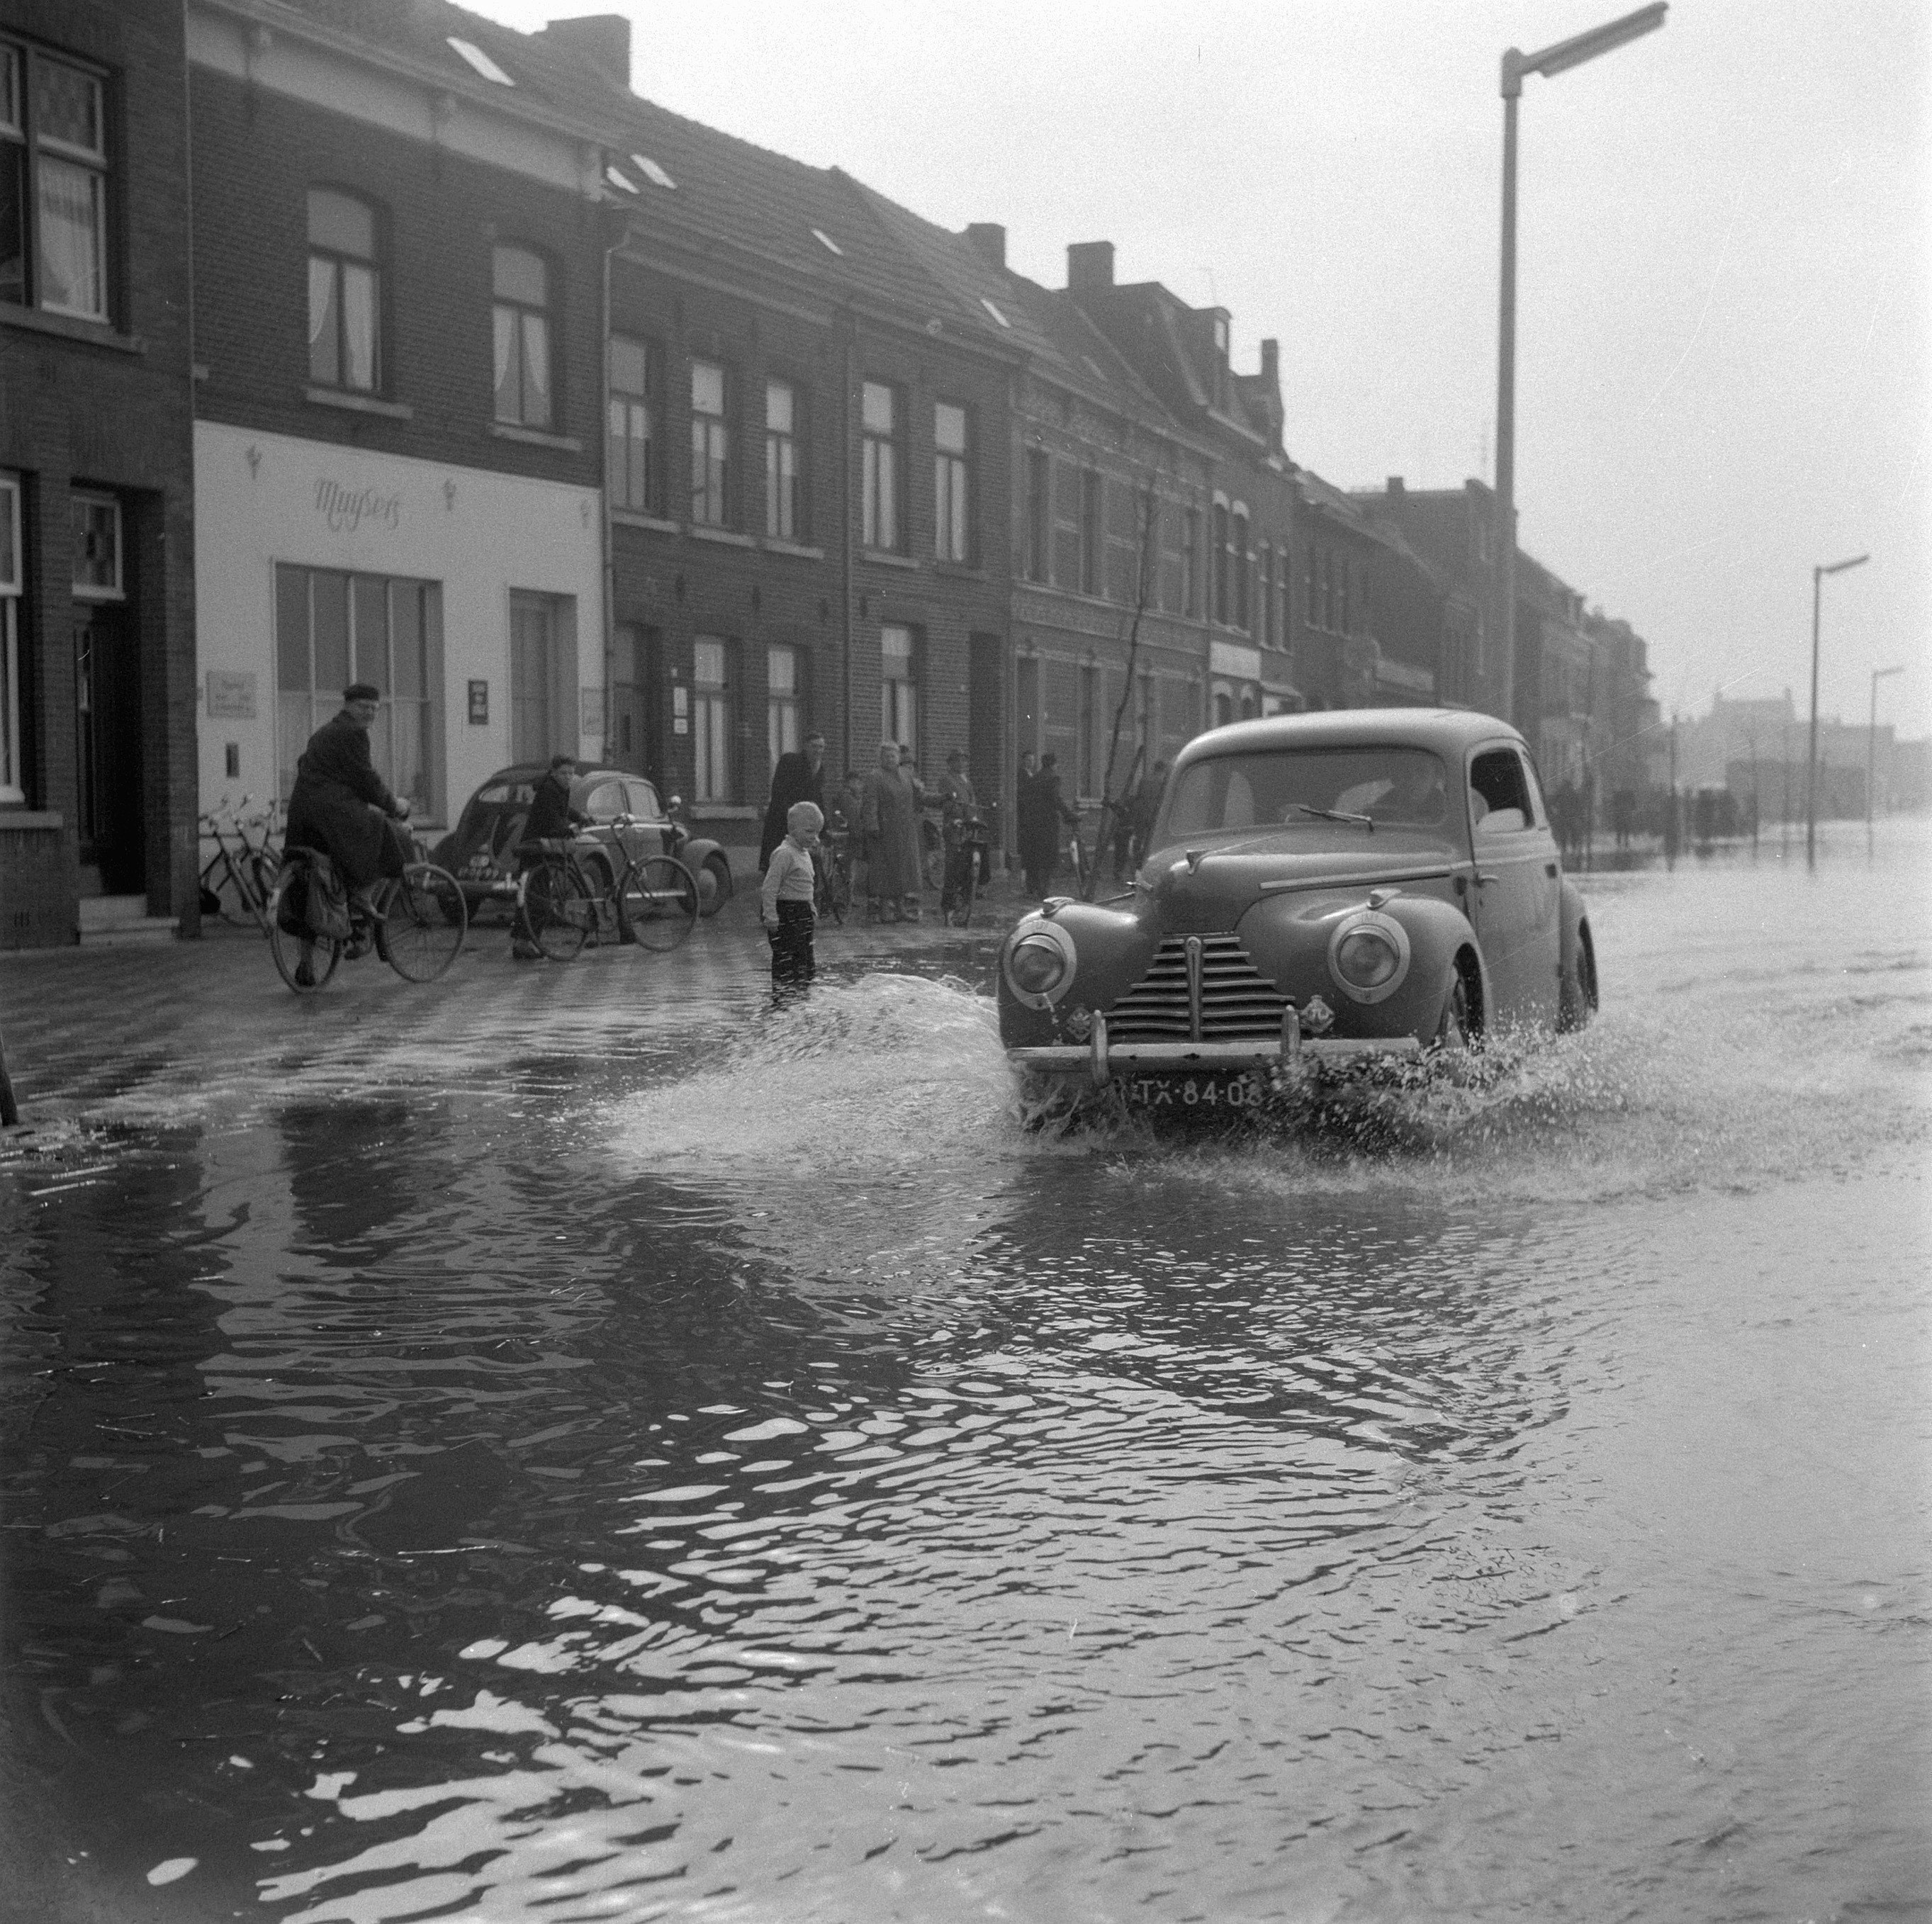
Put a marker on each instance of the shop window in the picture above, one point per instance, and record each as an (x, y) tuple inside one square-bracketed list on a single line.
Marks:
[(332, 629), (784, 520), (711, 719), (710, 445), (782, 706), (345, 293), (878, 434), (524, 373), (898, 688), (13, 775), (631, 431), (53, 184), (951, 483)]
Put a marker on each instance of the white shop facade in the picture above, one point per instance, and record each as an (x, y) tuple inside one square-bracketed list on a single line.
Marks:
[(473, 599)]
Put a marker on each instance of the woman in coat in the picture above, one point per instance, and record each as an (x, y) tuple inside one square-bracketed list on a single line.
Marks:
[(890, 821), (337, 795)]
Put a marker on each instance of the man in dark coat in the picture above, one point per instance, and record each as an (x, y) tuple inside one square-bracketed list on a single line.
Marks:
[(337, 793), (798, 777), (551, 817), (1041, 812)]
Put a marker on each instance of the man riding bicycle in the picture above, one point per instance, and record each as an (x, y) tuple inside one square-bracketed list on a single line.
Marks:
[(551, 819), (343, 808)]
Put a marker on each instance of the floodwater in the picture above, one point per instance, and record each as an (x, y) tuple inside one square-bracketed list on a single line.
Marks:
[(630, 1479)]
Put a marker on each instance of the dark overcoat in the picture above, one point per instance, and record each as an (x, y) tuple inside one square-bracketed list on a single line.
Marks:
[(336, 790), (794, 780)]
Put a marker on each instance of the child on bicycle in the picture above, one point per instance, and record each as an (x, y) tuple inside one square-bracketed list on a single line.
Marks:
[(785, 909)]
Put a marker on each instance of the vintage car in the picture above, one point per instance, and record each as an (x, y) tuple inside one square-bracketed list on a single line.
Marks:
[(624, 815), (1364, 882)]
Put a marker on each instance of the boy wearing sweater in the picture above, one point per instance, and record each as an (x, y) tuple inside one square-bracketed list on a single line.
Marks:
[(785, 907)]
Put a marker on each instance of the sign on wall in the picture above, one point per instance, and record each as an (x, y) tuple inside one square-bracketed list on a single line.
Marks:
[(590, 711), (231, 692), (479, 701)]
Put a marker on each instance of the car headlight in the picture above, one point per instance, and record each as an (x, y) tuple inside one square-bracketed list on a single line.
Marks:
[(1040, 964), (1368, 956)]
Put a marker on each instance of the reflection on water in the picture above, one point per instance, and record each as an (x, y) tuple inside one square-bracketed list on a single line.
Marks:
[(781, 1487)]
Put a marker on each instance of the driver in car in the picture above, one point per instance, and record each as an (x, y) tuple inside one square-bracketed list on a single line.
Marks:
[(1411, 793)]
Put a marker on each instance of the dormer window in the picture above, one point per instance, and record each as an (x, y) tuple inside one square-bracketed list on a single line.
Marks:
[(479, 61)]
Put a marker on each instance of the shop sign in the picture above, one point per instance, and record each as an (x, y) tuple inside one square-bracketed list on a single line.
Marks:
[(346, 509), (479, 702), (231, 692)]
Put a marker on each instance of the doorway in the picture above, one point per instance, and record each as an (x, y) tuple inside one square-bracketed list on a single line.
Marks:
[(107, 720)]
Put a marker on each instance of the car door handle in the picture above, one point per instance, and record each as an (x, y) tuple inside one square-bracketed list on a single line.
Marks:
[(1550, 868), (1482, 878)]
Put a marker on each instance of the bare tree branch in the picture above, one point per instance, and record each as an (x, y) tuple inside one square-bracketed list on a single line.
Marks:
[(1114, 807)]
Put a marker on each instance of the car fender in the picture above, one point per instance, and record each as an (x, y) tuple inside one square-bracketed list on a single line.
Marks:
[(696, 850), (1112, 948), (1288, 935)]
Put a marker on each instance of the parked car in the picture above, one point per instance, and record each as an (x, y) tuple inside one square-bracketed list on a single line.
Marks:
[(1360, 882), (625, 815)]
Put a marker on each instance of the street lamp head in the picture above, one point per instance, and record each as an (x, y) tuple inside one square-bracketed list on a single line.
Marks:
[(1880, 674), (1839, 567), (1580, 47)]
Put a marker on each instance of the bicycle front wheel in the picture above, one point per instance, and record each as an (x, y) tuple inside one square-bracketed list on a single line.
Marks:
[(305, 964), (657, 906), (421, 923), (556, 911)]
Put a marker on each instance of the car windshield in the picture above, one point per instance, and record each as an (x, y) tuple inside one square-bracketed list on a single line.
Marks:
[(1303, 788)]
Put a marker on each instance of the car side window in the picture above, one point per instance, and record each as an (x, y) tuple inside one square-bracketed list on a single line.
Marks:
[(1499, 795), (605, 802), (1534, 788), (644, 803)]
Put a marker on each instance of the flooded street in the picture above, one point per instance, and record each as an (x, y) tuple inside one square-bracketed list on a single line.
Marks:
[(570, 1444)]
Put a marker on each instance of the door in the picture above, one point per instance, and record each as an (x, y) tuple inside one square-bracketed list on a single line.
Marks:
[(1518, 885), (533, 680), (107, 722)]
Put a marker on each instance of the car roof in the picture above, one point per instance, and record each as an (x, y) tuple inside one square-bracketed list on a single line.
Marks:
[(1447, 731)]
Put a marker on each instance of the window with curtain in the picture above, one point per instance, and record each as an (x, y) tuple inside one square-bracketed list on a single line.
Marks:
[(13, 777), (950, 482), (710, 720), (524, 373), (782, 706), (632, 428), (710, 445), (898, 688), (53, 184), (783, 520), (332, 629), (345, 293), (878, 434)]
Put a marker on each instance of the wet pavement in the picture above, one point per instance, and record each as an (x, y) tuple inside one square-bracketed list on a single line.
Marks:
[(572, 1443)]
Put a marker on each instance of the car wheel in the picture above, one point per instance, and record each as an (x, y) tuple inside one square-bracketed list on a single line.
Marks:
[(1455, 1027), (1576, 993), (714, 885)]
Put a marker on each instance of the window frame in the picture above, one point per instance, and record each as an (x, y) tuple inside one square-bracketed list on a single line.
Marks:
[(784, 469), (522, 313), (20, 138), (710, 498), (1190, 563), (1039, 515), (712, 778), (1221, 536), (13, 588), (116, 590), (882, 482), (620, 434), (1092, 531), (1237, 537), (895, 724), (784, 707), (375, 262), (952, 486)]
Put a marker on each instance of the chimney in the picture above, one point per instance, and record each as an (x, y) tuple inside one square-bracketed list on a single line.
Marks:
[(987, 239), (602, 39), (1271, 363), (1395, 487), (1090, 265)]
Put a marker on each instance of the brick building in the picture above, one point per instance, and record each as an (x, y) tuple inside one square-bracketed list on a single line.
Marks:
[(97, 798), (398, 264)]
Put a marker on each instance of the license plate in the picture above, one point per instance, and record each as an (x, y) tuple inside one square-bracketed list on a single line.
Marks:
[(1234, 1089)]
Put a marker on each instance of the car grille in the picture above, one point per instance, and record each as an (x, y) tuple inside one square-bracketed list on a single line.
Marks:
[(1234, 999)]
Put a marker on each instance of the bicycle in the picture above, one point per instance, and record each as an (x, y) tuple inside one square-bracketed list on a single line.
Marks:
[(654, 903), (964, 858), (1079, 861), (416, 922), (832, 874), (239, 877)]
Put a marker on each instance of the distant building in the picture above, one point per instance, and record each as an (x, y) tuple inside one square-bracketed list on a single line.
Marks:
[(98, 695)]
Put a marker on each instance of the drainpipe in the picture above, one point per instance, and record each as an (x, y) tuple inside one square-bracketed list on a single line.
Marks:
[(846, 532), (191, 908), (604, 497)]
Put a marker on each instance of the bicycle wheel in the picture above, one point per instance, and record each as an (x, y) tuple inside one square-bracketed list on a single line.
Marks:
[(556, 911), (838, 886), (421, 922), (305, 966), (968, 885), (657, 903)]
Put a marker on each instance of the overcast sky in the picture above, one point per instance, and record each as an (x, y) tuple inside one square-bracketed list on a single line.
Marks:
[(1724, 300)]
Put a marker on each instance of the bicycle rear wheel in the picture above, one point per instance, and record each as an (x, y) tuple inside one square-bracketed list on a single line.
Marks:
[(421, 923), (304, 964), (556, 911), (657, 904)]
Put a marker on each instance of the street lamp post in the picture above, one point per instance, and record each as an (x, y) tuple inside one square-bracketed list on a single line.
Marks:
[(1871, 745), (1818, 574), (1551, 61)]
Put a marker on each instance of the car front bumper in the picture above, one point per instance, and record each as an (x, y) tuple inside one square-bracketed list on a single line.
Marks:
[(1098, 1060)]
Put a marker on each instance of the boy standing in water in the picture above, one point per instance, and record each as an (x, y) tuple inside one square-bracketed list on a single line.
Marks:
[(785, 909)]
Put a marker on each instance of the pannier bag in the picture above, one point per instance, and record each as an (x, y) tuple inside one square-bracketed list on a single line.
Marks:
[(314, 901)]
